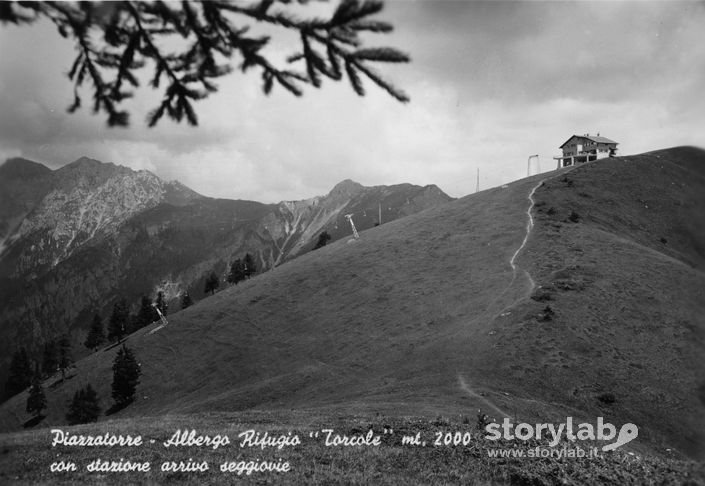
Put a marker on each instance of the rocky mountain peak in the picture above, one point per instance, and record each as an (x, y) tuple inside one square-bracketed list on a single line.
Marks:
[(86, 165), (347, 187), (86, 162), (86, 172), (86, 198)]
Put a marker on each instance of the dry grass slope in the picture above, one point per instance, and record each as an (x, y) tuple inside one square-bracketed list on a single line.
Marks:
[(386, 321)]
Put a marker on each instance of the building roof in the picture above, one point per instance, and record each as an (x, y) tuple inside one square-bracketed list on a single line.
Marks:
[(592, 138)]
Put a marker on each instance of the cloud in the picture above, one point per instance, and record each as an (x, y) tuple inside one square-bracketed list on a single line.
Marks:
[(490, 82)]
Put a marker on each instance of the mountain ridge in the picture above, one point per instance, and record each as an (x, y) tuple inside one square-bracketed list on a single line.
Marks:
[(101, 231)]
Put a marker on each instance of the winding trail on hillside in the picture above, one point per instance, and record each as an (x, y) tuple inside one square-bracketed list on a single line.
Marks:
[(524, 294), (529, 227), (512, 261)]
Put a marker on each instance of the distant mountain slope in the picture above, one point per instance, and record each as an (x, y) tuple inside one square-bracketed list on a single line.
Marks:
[(85, 199), (305, 220), (23, 184), (90, 233), (432, 314)]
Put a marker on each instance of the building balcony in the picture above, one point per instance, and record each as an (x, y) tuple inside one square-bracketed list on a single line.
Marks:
[(579, 158)]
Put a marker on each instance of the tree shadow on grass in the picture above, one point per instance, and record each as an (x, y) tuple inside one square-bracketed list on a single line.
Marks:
[(117, 407), (34, 421)]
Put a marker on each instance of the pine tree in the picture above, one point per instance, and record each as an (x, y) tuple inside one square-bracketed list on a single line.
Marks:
[(117, 326), (115, 42), (126, 372), (146, 315), (65, 358), (95, 336), (237, 271), (323, 239), (19, 374), (84, 408), (161, 303), (37, 400), (186, 300), (212, 283), (50, 358), (250, 267)]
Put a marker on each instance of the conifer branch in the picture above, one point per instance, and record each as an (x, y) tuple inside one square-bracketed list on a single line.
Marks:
[(132, 31)]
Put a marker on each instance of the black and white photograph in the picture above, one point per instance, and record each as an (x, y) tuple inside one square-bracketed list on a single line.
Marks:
[(352, 242)]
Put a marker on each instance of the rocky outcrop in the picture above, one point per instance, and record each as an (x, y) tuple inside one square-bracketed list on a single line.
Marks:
[(87, 199)]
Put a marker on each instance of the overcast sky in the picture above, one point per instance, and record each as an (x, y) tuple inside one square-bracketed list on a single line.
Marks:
[(490, 83)]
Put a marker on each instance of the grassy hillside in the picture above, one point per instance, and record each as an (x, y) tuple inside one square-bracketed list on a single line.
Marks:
[(627, 287), (445, 312), (376, 322)]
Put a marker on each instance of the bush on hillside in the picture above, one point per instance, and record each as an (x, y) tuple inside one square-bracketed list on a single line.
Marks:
[(607, 398), (37, 400), (50, 358), (237, 272), (95, 336), (84, 407), (547, 314), (65, 357), (117, 326), (126, 372), (323, 239), (186, 300), (212, 283), (250, 266)]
